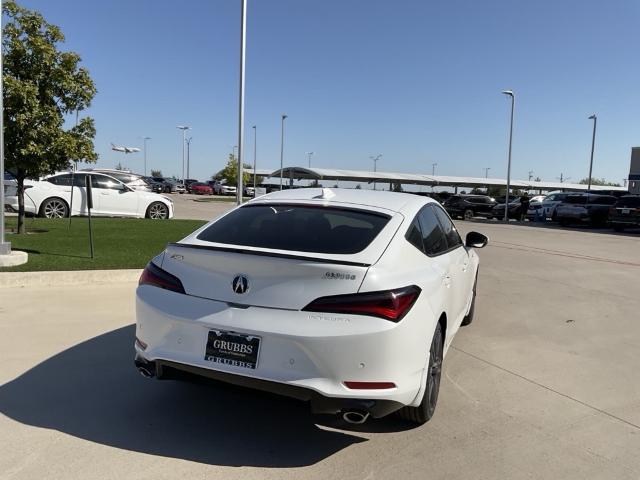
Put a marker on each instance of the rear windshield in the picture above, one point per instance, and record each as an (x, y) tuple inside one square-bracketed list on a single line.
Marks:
[(297, 228), (629, 202)]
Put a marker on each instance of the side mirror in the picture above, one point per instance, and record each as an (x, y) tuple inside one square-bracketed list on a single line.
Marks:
[(476, 240)]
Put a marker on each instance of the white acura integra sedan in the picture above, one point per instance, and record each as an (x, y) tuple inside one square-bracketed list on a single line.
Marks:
[(348, 299)]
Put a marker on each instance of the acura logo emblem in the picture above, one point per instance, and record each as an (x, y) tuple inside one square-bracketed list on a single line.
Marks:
[(240, 284)]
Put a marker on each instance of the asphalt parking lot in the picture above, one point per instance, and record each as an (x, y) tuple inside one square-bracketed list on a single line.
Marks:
[(200, 207), (543, 384)]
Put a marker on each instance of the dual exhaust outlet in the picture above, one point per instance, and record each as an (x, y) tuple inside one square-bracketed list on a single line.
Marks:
[(354, 417)]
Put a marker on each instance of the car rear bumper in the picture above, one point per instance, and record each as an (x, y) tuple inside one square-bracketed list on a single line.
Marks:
[(320, 404), (312, 353)]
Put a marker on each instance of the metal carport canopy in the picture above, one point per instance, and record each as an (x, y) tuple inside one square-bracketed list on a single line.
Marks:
[(304, 173)]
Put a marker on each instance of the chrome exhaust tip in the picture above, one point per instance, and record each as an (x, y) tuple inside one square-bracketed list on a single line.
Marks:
[(355, 417), (145, 373), (147, 369)]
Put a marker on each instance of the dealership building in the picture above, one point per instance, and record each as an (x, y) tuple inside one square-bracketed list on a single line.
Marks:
[(634, 171)]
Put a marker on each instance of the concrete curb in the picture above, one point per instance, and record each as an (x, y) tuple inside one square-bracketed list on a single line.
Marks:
[(77, 277)]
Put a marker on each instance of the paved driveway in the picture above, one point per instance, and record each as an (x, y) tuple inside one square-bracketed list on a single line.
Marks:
[(544, 384)]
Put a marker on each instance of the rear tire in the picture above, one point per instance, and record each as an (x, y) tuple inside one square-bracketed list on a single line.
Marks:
[(54, 207), (158, 211), (423, 412)]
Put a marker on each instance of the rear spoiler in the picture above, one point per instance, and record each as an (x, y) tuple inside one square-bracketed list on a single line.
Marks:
[(245, 251)]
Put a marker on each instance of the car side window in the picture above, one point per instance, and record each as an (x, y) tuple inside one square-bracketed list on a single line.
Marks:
[(450, 232), (62, 180), (414, 235), (102, 181), (433, 237)]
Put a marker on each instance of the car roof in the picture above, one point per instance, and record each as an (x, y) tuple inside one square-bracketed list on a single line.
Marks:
[(393, 201)]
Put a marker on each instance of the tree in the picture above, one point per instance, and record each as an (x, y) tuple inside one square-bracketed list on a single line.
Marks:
[(230, 171), (156, 173), (41, 86), (598, 181)]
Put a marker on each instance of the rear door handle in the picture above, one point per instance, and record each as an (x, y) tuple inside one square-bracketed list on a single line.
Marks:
[(446, 280)]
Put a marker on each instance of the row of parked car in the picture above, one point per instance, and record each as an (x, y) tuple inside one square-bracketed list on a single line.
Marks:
[(619, 212), (191, 185)]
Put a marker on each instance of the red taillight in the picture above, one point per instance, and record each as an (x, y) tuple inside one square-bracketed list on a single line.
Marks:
[(156, 277), (388, 304), (369, 385)]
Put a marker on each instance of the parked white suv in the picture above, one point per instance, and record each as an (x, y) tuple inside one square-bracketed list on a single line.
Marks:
[(51, 197)]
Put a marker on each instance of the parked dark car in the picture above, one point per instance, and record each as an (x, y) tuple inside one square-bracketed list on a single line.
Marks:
[(188, 182), (625, 213), (199, 188), (156, 187), (166, 185), (585, 208), (502, 198), (498, 210), (469, 206)]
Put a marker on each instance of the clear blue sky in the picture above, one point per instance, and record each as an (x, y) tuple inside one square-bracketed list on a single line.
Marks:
[(418, 81)]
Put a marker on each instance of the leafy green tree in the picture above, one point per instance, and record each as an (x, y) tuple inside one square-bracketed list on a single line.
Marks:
[(598, 181), (230, 172), (156, 173), (42, 85)]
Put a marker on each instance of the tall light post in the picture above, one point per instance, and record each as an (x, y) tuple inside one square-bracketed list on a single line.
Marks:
[(530, 174), (433, 168), (255, 156), (5, 247), (486, 172), (282, 148), (309, 155), (144, 141), (243, 41), (375, 159), (509, 93), (188, 154), (184, 129), (593, 144)]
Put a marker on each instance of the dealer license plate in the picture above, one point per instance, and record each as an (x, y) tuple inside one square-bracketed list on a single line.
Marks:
[(231, 348)]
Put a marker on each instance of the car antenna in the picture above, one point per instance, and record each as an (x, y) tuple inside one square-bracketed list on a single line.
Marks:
[(326, 194)]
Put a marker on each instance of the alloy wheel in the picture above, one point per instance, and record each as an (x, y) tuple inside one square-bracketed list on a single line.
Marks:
[(158, 211), (55, 209)]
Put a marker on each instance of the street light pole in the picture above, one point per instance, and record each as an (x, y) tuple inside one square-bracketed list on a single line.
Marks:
[(309, 154), (282, 149), (188, 154), (5, 247), (255, 156), (506, 205), (486, 172), (243, 40), (144, 141), (593, 144), (433, 168), (375, 166), (184, 128)]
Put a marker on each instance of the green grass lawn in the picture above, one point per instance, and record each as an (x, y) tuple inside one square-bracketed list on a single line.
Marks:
[(118, 242)]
